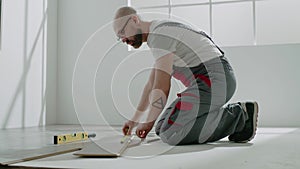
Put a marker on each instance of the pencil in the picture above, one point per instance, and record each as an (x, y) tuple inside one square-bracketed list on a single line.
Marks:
[(125, 137)]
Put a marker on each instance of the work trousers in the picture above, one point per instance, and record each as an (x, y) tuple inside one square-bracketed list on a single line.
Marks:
[(200, 114)]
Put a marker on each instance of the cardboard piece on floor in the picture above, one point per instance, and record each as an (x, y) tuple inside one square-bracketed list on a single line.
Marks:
[(112, 146), (17, 156), (107, 147)]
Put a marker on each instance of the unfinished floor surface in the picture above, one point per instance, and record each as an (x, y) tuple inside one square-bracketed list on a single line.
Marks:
[(272, 148)]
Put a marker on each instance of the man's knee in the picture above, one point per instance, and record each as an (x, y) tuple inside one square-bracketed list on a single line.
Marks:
[(174, 136), (169, 138)]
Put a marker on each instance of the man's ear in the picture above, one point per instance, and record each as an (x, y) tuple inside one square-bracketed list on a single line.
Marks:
[(136, 19)]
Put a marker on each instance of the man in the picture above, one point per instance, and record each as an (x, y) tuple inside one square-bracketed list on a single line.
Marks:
[(198, 115)]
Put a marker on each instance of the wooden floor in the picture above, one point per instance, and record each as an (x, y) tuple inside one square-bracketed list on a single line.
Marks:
[(272, 148)]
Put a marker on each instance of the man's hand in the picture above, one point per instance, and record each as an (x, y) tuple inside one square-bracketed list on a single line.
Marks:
[(128, 126), (143, 129)]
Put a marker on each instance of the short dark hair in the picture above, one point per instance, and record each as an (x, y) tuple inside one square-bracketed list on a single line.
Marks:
[(124, 11)]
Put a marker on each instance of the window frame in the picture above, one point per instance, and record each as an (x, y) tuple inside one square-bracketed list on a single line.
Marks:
[(210, 3)]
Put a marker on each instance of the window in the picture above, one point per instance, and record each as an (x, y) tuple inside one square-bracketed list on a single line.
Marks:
[(232, 22), (278, 21)]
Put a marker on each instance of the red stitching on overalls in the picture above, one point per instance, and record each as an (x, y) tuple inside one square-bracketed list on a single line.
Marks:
[(171, 122), (180, 106), (187, 94), (184, 106), (186, 82), (180, 76), (204, 78)]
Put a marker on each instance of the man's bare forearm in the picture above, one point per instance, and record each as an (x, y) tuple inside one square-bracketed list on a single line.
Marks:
[(158, 100), (143, 104)]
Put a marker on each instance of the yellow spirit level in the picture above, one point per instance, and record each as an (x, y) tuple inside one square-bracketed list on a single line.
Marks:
[(68, 138)]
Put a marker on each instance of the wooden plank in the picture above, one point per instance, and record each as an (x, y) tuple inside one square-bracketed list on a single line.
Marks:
[(106, 147), (17, 156), (111, 146)]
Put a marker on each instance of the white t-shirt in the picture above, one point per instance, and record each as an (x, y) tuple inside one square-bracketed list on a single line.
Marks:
[(189, 47)]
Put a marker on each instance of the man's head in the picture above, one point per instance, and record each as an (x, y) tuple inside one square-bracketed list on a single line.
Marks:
[(127, 26)]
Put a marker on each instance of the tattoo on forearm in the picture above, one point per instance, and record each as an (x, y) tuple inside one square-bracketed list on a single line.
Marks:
[(159, 103)]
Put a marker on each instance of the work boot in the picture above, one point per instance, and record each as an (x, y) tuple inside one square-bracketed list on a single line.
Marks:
[(249, 131)]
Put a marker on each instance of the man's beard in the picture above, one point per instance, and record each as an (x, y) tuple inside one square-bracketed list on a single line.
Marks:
[(138, 39)]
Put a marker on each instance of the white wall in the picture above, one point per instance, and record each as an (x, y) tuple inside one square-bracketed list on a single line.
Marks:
[(77, 21), (270, 75), (22, 63), (51, 86)]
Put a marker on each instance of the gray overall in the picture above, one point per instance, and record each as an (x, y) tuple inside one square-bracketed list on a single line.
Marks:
[(198, 115)]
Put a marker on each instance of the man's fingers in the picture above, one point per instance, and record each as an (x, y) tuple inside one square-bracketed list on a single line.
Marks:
[(138, 132), (128, 131), (141, 133), (124, 130)]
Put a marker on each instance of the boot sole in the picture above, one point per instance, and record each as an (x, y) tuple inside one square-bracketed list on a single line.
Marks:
[(254, 121)]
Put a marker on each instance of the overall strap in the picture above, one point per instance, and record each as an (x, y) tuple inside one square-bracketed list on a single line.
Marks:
[(180, 25)]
